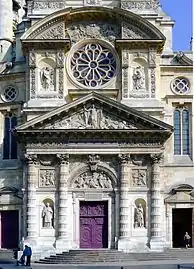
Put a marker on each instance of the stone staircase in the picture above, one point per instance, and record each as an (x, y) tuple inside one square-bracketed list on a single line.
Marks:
[(114, 256)]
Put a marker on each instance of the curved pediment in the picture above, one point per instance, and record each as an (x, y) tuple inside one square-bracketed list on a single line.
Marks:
[(93, 22)]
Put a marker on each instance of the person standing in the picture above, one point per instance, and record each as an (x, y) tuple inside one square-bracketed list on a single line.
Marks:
[(187, 240), (27, 253)]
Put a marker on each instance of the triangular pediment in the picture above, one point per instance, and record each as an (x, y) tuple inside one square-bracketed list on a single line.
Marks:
[(94, 112)]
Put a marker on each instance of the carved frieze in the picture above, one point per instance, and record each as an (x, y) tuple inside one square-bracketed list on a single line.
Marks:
[(131, 32), (48, 5), (140, 5), (91, 118), (32, 58), (125, 66), (55, 31), (139, 177), (153, 81), (100, 30), (96, 180), (32, 83), (152, 57), (92, 2), (47, 178)]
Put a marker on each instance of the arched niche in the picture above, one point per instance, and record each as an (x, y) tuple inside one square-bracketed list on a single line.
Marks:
[(84, 178), (140, 213), (47, 213), (46, 75), (139, 75)]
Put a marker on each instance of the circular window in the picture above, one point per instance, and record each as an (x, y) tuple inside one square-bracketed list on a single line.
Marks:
[(92, 64), (180, 85), (9, 94)]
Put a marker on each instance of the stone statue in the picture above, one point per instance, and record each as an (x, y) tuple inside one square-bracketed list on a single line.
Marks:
[(138, 78), (46, 78), (139, 217), (47, 215)]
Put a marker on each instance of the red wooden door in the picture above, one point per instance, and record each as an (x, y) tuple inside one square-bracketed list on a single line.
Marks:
[(9, 229)]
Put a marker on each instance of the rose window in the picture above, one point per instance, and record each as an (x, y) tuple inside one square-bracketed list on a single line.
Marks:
[(9, 94), (180, 86), (93, 65)]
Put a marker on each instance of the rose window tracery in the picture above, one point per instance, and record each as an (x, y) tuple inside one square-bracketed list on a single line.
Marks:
[(93, 65), (180, 85)]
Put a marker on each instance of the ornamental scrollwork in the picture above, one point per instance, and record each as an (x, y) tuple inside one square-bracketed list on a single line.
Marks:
[(63, 158), (156, 158), (93, 160), (31, 159), (124, 158)]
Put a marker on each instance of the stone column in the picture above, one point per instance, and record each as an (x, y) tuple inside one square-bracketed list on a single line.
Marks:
[(31, 210), (62, 241), (124, 234), (156, 240)]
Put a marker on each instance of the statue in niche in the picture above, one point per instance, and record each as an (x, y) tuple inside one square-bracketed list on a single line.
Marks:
[(47, 78), (138, 78), (139, 217), (47, 215)]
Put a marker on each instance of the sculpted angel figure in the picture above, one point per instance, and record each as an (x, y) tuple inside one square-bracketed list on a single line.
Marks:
[(138, 78)]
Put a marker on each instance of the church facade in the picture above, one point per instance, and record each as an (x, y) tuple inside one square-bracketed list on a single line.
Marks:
[(96, 127)]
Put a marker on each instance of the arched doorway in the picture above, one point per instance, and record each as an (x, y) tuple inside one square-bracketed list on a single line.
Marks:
[(95, 208)]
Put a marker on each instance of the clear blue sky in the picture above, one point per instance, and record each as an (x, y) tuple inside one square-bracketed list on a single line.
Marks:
[(181, 12)]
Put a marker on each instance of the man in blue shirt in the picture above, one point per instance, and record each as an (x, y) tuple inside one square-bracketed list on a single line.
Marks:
[(27, 253)]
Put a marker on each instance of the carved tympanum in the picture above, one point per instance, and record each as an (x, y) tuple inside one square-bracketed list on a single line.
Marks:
[(91, 118), (96, 180)]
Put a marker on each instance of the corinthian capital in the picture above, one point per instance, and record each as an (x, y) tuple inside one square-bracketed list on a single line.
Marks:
[(63, 158), (156, 158), (31, 159), (124, 158)]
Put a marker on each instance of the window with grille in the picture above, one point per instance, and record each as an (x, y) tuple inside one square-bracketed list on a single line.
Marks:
[(181, 131), (9, 142)]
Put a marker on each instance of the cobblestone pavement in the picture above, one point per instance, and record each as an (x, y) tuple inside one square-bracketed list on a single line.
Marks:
[(134, 265)]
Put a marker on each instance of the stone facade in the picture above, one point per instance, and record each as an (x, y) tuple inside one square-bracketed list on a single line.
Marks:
[(96, 92)]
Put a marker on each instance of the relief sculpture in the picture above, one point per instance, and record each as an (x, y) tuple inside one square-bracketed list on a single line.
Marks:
[(47, 178), (99, 30), (139, 177), (93, 181), (91, 118)]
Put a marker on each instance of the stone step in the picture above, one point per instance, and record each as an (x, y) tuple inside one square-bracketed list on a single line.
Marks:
[(114, 256)]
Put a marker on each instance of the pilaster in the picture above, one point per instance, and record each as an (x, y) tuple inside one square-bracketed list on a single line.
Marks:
[(31, 216), (62, 241), (124, 203), (156, 241)]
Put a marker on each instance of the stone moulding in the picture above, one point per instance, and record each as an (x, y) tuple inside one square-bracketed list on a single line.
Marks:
[(55, 24)]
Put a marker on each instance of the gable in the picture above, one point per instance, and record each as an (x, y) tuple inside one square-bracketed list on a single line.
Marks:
[(93, 22), (95, 111)]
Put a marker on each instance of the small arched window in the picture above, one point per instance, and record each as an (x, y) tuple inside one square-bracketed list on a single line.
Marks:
[(9, 141), (181, 132)]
